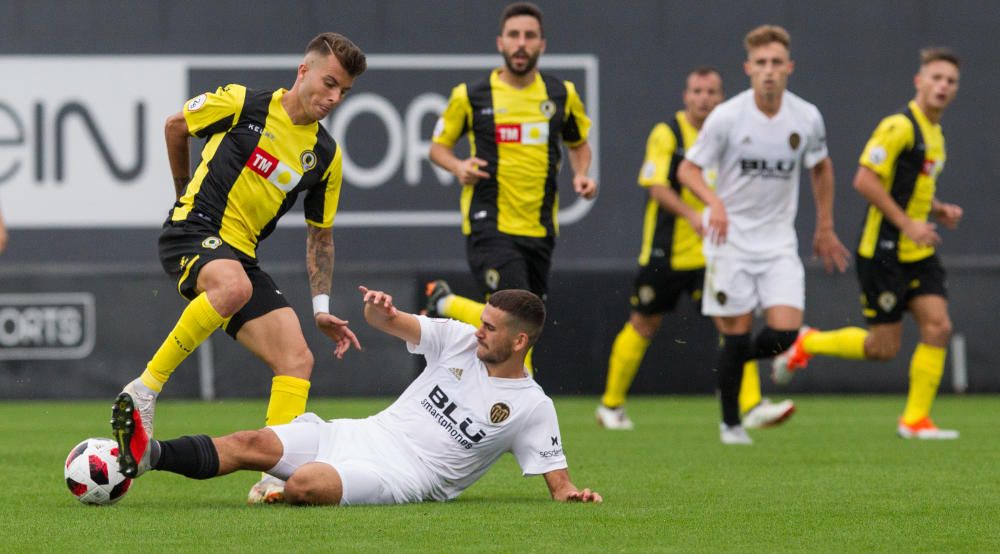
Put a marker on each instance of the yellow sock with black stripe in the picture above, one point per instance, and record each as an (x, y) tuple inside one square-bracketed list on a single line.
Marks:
[(750, 386), (626, 354), (926, 368), (288, 399), (197, 322), (846, 342), (462, 309)]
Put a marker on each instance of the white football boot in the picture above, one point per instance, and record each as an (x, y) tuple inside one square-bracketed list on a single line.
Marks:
[(768, 414), (130, 434), (143, 401), (733, 435), (269, 490), (924, 430), (613, 418)]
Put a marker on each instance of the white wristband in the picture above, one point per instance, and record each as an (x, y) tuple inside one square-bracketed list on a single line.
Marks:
[(321, 304)]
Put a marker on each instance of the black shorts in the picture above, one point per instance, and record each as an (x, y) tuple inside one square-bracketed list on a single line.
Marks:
[(657, 288), (185, 249), (500, 262), (888, 285)]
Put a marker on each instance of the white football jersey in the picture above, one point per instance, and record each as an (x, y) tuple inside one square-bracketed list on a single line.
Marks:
[(759, 161), (458, 420)]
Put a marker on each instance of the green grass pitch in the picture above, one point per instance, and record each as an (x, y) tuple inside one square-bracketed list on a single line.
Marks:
[(834, 479)]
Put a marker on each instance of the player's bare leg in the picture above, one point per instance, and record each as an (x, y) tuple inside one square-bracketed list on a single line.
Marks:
[(276, 338)]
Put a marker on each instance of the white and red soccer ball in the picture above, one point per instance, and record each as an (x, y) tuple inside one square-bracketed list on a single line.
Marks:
[(92, 472)]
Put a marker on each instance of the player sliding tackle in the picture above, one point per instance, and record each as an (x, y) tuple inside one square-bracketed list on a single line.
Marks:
[(471, 404)]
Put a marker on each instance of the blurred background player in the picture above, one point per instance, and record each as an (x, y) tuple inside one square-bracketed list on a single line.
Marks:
[(410, 451), (516, 120), (263, 149), (759, 140), (671, 261), (898, 268)]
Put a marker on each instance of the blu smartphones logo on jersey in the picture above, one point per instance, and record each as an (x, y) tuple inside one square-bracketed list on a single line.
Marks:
[(439, 406), (47, 326), (767, 169)]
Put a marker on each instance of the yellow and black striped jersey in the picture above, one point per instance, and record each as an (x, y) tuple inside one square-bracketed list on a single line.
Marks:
[(907, 152), (665, 235), (254, 164), (518, 133)]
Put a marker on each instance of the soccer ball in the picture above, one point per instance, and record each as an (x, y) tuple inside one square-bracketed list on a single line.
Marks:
[(92, 472)]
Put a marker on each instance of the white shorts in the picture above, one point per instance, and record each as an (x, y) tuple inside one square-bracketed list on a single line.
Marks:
[(737, 286), (373, 468)]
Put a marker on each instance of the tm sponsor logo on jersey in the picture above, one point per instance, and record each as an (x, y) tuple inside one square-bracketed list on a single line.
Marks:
[(277, 172), (767, 169), (523, 133), (441, 408)]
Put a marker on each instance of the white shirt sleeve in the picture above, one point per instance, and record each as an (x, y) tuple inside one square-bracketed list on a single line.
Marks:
[(711, 143), (436, 335), (538, 446), (816, 150)]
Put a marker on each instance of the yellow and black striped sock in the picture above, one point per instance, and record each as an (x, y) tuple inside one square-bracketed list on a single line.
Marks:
[(846, 342), (198, 321), (926, 368), (626, 354)]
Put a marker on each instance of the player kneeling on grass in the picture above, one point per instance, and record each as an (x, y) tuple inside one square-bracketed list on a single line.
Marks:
[(472, 403)]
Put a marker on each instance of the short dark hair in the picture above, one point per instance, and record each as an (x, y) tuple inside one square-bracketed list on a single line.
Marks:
[(348, 54), (705, 71), (939, 53), (525, 309), (522, 8)]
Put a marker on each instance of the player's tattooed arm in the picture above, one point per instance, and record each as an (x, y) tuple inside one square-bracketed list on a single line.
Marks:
[(319, 258), (319, 264)]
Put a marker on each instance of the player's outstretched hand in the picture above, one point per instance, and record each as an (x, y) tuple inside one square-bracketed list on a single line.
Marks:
[(379, 301), (585, 186), (828, 247), (586, 495), (338, 331)]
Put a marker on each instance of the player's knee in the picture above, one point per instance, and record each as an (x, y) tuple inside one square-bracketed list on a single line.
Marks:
[(936, 330), (230, 293), (239, 290), (313, 485), (297, 363), (646, 326), (882, 349), (245, 445)]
